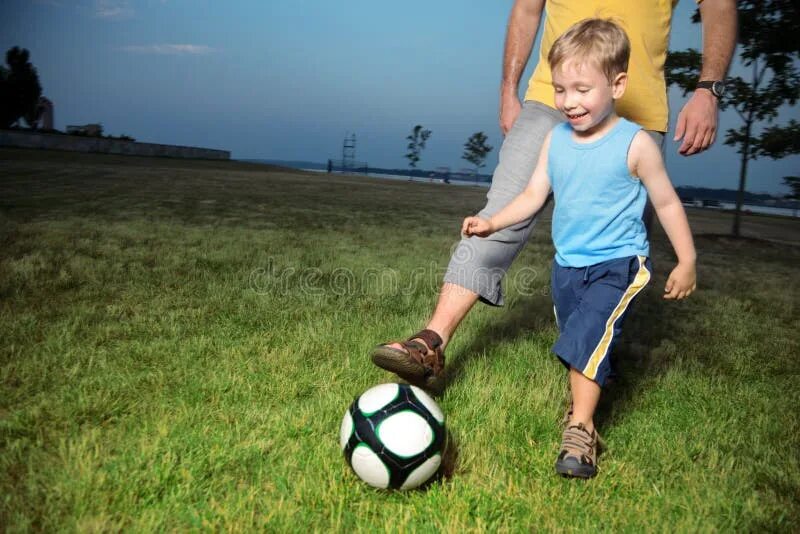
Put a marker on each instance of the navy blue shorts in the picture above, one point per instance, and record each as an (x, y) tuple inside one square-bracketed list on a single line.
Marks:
[(590, 305)]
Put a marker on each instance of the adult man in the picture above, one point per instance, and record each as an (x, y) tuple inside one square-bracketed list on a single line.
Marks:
[(478, 265)]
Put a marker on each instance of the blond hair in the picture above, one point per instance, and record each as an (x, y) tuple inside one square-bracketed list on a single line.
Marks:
[(600, 41)]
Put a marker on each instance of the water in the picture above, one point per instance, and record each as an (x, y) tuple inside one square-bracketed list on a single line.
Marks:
[(419, 179), (726, 206), (767, 210)]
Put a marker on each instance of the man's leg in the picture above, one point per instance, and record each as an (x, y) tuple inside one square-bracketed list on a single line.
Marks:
[(452, 306), (478, 265)]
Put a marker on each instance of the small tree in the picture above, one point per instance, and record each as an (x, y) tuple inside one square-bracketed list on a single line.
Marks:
[(769, 46), (19, 89), (476, 150), (793, 183), (416, 143)]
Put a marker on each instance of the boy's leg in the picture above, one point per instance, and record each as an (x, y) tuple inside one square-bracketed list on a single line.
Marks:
[(605, 292), (585, 396), (478, 265), (579, 442)]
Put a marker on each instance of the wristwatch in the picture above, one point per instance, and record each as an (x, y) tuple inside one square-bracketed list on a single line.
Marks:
[(717, 87)]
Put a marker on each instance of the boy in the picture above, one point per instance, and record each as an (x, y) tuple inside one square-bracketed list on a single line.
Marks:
[(601, 168)]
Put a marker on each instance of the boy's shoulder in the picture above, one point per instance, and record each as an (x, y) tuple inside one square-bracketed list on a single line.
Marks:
[(629, 126), (643, 151), (643, 143)]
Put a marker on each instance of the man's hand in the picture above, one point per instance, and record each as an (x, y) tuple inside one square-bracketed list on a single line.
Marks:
[(523, 23), (682, 281), (509, 111), (697, 123), (476, 226)]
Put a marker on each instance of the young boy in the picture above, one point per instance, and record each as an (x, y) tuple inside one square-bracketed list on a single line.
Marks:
[(601, 168)]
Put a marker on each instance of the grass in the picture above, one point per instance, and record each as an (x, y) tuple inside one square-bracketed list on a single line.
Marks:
[(179, 341)]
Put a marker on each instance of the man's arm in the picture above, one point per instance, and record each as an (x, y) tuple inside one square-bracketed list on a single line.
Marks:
[(522, 27), (697, 121)]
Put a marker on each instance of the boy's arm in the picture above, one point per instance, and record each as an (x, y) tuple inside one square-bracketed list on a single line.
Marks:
[(521, 208), (531, 200), (646, 163)]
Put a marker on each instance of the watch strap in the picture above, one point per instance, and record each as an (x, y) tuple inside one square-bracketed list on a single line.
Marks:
[(712, 85)]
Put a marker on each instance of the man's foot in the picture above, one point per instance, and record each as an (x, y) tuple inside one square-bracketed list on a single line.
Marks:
[(578, 456), (418, 360)]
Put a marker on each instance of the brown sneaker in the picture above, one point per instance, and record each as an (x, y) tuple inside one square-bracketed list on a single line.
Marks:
[(578, 456), (421, 362)]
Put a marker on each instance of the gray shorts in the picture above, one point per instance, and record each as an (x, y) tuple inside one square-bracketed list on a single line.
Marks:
[(480, 264)]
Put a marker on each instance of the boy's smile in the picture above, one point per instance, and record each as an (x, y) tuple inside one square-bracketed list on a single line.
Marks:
[(586, 97)]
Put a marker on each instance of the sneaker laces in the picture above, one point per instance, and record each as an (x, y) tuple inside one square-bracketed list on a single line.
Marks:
[(578, 442)]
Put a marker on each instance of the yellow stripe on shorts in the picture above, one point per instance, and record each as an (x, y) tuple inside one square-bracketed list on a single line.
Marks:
[(599, 353)]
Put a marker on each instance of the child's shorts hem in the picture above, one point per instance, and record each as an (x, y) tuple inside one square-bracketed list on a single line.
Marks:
[(591, 304)]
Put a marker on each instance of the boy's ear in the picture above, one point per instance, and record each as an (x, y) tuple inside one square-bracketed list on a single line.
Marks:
[(619, 84)]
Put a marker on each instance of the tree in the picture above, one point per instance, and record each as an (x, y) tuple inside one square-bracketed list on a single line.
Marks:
[(476, 150), (769, 48), (19, 89), (793, 183), (416, 143)]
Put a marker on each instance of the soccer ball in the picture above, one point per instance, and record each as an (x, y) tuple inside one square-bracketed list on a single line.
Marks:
[(393, 436)]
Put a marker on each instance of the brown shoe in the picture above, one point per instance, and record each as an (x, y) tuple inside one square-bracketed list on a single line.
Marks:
[(578, 456), (421, 362)]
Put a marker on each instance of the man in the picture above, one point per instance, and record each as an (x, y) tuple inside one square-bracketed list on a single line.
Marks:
[(478, 265)]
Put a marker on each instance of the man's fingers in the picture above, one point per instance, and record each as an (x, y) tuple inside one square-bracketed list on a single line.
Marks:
[(690, 141), (680, 127), (698, 138), (686, 145), (701, 139), (708, 140), (697, 141)]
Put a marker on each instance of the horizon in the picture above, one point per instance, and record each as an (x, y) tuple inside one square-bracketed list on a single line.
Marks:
[(288, 82), (482, 174)]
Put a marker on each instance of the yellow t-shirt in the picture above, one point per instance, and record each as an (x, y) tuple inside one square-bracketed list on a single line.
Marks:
[(647, 23)]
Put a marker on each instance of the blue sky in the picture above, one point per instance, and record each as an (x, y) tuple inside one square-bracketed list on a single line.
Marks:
[(287, 79)]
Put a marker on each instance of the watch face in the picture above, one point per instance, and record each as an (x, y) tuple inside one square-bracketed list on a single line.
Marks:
[(718, 88)]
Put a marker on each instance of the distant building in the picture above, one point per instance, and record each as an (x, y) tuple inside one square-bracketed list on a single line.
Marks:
[(89, 130)]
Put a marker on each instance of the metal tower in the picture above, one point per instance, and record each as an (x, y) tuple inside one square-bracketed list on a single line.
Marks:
[(349, 151)]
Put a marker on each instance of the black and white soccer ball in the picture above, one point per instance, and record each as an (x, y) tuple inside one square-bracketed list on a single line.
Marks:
[(393, 436)]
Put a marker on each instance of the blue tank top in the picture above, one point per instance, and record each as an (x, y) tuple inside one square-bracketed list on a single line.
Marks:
[(598, 204)]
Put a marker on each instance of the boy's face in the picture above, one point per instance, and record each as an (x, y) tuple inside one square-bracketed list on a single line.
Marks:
[(585, 96)]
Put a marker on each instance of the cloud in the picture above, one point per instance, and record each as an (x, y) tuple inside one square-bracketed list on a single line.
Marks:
[(112, 9), (169, 49)]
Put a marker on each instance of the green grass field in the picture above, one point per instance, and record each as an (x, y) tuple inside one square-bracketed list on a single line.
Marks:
[(179, 341)]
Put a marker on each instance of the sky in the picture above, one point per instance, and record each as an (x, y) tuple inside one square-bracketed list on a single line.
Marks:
[(289, 79)]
